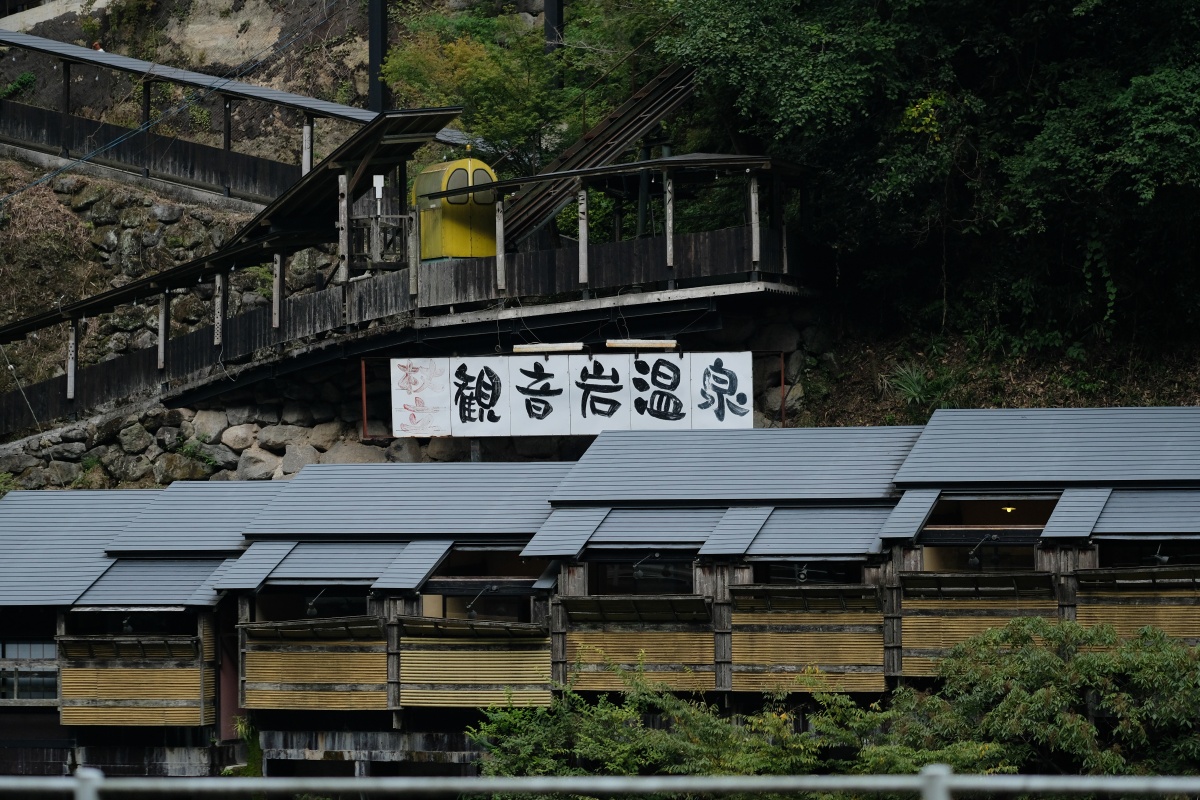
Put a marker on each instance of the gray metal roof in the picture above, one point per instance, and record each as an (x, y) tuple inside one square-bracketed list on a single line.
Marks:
[(565, 532), (819, 531), (1076, 512), (1056, 446), (736, 531), (337, 560), (196, 517), (738, 466), (481, 501), (156, 582), (1141, 513), (149, 70), (254, 565), (654, 527), (410, 569), (53, 542), (910, 514)]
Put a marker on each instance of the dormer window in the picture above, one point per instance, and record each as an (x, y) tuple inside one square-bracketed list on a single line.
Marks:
[(984, 533)]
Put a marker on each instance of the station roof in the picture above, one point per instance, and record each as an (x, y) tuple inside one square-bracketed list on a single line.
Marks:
[(1056, 447), (734, 467), (54, 541), (157, 582), (183, 77)]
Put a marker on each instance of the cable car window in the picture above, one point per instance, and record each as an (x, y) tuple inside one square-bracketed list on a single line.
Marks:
[(485, 198), (458, 180)]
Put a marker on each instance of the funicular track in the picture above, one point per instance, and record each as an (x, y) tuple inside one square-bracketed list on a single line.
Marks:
[(600, 146)]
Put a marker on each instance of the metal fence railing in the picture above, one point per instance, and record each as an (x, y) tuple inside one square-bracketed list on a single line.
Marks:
[(935, 782)]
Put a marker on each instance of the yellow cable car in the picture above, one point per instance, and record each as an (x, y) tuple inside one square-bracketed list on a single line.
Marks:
[(462, 226)]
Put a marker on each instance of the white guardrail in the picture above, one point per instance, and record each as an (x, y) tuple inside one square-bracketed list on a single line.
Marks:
[(935, 782)]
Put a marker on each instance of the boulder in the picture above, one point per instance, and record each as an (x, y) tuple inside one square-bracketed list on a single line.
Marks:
[(173, 467), (224, 475), (127, 468), (166, 213), (403, 451), (34, 478), (298, 456), (353, 453), (67, 451), (104, 432), (239, 414), (62, 473), (446, 448), (276, 438), (239, 437), (16, 463), (169, 437), (217, 455), (791, 398), (209, 424), (135, 438), (257, 464), (324, 436), (296, 414)]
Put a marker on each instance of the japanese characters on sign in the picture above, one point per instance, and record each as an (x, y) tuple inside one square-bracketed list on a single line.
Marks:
[(557, 395)]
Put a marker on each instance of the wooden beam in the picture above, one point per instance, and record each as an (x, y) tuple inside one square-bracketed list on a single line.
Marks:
[(306, 145), (164, 327), (755, 223), (342, 273), (501, 277), (72, 352), (414, 249), (582, 199), (669, 217), (220, 300), (278, 288)]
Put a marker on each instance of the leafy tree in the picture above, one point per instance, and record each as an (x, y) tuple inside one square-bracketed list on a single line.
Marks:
[(1027, 165)]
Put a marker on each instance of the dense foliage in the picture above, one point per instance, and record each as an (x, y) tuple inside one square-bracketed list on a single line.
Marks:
[(1031, 697), (1028, 172)]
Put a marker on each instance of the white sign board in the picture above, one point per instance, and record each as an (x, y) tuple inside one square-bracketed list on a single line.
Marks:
[(555, 395)]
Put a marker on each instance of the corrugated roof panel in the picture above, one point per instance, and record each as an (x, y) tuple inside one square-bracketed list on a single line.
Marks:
[(736, 531), (1076, 512), (53, 542), (565, 532), (153, 582), (738, 466), (481, 501), (910, 514), (337, 560), (196, 517), (151, 71), (1056, 446), (1135, 512), (410, 569), (657, 526), (254, 565), (820, 531)]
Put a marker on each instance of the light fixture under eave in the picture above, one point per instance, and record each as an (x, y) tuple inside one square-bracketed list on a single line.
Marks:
[(641, 344), (1008, 509), (549, 347)]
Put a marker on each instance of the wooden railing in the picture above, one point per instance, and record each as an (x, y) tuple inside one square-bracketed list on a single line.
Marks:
[(178, 160), (700, 257)]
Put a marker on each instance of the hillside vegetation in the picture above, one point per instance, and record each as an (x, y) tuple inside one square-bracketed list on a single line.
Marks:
[(998, 205)]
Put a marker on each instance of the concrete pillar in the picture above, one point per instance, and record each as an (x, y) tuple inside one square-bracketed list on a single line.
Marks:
[(306, 146), (72, 353), (164, 327), (583, 235), (278, 288), (501, 274)]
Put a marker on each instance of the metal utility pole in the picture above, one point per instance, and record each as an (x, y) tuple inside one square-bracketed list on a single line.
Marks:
[(376, 47)]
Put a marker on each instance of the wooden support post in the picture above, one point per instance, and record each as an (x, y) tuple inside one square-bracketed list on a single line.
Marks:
[(501, 274), (220, 298), (342, 274), (414, 249), (164, 327), (583, 236), (755, 224), (72, 353), (783, 251), (669, 217), (146, 150), (67, 128), (306, 153), (278, 288)]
